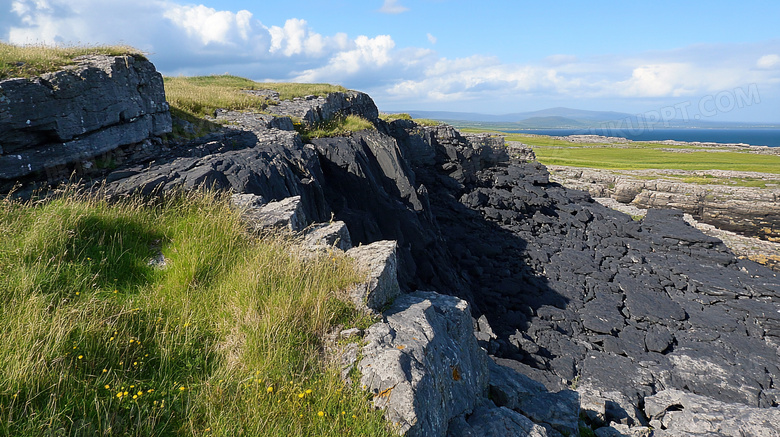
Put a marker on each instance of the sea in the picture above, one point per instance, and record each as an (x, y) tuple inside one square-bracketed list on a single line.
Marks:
[(753, 136)]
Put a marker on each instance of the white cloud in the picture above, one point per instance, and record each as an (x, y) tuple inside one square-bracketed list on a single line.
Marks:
[(212, 26), (392, 7), (656, 80), (364, 54), (768, 62), (195, 39)]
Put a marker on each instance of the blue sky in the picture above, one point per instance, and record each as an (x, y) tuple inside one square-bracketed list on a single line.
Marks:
[(716, 58)]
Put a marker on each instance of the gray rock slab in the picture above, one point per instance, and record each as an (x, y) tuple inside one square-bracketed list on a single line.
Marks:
[(681, 413), (378, 263), (328, 235), (287, 213), (423, 364)]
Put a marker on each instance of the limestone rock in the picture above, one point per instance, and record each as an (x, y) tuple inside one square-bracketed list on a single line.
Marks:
[(312, 109), (676, 413), (287, 213), (494, 422), (748, 210), (516, 391), (78, 114), (378, 261), (423, 363), (328, 235)]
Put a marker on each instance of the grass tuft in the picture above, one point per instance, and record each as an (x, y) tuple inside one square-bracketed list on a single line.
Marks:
[(223, 340), (336, 127), (34, 60)]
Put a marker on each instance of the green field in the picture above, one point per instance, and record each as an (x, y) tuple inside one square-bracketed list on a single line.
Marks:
[(641, 156), (225, 340)]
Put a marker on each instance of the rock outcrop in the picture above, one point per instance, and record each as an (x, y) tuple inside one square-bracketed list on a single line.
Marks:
[(579, 306), (746, 210), (68, 120), (423, 364)]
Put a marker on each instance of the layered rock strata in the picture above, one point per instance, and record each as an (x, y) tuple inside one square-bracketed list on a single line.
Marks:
[(752, 211), (72, 120)]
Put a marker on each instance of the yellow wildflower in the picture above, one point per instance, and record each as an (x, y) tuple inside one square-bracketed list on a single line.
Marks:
[(320, 413), (270, 389), (107, 386)]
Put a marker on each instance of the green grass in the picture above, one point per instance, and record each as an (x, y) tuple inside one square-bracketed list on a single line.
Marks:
[(398, 116), (644, 155), (202, 95), (224, 340), (34, 60), (405, 116), (339, 126)]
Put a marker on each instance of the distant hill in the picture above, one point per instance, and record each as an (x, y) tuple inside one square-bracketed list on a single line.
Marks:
[(550, 122), (565, 118)]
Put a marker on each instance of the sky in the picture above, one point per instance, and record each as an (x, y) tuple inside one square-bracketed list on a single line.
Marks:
[(715, 60)]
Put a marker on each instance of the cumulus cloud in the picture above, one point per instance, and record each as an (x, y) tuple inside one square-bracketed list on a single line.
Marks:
[(182, 39), (392, 7), (768, 62), (195, 39)]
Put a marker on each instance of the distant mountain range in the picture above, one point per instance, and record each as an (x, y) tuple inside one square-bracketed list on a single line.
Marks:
[(568, 118)]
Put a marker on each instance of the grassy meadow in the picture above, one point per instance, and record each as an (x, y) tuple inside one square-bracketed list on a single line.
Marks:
[(644, 155), (224, 340)]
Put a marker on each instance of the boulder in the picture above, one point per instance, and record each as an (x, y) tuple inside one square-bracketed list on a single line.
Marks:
[(313, 109), (378, 262), (287, 213), (423, 364), (328, 235)]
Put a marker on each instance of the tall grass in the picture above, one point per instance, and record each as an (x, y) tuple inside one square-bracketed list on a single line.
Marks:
[(34, 60), (223, 340)]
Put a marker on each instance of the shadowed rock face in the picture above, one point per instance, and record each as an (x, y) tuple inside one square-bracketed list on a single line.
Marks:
[(51, 123)]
